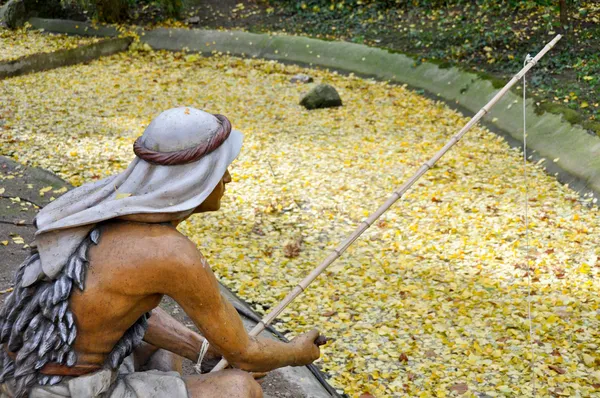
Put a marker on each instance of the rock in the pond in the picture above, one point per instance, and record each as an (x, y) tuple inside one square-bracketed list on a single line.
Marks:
[(13, 14), (301, 78), (322, 96)]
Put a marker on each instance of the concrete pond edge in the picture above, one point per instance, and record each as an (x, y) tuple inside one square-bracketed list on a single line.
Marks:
[(565, 150)]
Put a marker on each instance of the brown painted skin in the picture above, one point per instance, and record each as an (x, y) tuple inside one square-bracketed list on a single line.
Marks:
[(132, 267)]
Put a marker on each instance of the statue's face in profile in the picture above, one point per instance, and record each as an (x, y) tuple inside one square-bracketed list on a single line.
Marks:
[(213, 201)]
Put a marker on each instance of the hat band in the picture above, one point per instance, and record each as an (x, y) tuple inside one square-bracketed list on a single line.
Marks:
[(188, 155)]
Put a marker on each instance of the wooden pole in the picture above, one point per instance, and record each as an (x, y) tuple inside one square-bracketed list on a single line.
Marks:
[(337, 252)]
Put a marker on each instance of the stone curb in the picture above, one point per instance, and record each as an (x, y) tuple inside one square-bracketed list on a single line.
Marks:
[(44, 61), (74, 27), (569, 150)]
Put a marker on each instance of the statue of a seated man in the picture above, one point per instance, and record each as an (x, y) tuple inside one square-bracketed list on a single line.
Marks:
[(83, 320)]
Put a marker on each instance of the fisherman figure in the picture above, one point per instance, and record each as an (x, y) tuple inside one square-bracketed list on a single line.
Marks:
[(83, 319)]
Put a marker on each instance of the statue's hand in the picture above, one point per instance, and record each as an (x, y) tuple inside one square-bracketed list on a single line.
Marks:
[(306, 348)]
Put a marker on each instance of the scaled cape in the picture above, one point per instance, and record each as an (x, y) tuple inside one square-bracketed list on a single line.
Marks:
[(143, 188)]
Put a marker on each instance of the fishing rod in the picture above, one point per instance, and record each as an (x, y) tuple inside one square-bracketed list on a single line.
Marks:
[(363, 226)]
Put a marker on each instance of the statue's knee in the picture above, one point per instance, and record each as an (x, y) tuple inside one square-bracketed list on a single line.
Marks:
[(244, 383)]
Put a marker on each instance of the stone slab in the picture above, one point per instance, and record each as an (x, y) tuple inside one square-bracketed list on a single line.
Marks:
[(16, 217), (74, 27)]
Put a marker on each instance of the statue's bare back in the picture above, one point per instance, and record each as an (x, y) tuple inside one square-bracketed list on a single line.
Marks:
[(123, 283)]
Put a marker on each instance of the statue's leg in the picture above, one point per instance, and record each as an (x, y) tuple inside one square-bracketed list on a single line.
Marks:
[(142, 354), (165, 361), (148, 357), (232, 383)]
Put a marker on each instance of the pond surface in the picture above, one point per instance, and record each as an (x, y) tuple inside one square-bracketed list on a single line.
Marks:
[(433, 299)]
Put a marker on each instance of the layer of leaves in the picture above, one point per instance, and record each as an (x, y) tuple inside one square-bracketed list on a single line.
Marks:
[(24, 41), (433, 299)]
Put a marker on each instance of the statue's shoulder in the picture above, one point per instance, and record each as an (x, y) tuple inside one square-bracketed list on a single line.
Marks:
[(137, 230), (142, 240)]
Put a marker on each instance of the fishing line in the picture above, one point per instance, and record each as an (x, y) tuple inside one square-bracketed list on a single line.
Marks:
[(528, 58)]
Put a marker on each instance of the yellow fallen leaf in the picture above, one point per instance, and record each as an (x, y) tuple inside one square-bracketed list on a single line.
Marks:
[(122, 195), (44, 190), (584, 269), (18, 240), (589, 360)]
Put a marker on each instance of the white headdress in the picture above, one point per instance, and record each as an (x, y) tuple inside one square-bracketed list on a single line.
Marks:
[(186, 152)]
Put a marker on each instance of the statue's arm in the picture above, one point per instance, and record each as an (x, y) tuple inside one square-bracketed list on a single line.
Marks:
[(167, 333), (193, 285)]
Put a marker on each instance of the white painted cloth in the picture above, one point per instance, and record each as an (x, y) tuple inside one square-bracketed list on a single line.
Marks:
[(143, 188), (106, 383)]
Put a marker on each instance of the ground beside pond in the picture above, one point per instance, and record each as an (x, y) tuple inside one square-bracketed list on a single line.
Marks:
[(432, 301), (489, 37)]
